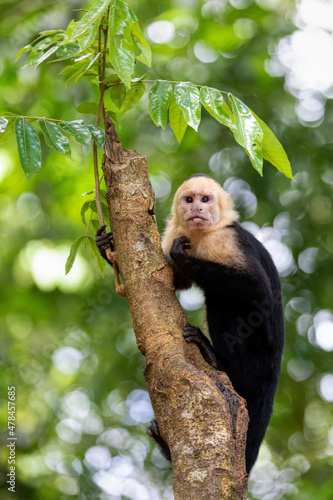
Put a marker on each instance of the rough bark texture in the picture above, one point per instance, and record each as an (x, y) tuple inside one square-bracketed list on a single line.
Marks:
[(204, 427)]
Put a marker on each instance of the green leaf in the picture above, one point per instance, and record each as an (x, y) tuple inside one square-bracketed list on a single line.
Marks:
[(47, 54), (273, 150), (213, 102), (84, 208), (88, 192), (88, 39), (3, 124), (71, 68), (88, 107), (7, 129), (117, 95), (70, 28), (145, 56), (3, 138), (28, 145), (51, 32), (27, 48), (54, 138), (120, 40), (101, 263), (33, 59), (37, 54), (93, 208), (97, 134), (3, 130), (111, 79), (95, 224), (67, 51), (248, 132), (46, 42), (80, 132), (159, 99), (91, 63), (177, 120), (133, 95), (188, 100), (72, 254), (81, 69), (90, 18), (140, 78)]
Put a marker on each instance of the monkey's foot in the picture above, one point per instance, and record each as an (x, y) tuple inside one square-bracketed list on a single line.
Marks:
[(104, 242), (194, 334), (153, 432)]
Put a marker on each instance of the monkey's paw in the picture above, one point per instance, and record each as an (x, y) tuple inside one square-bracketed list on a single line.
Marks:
[(179, 247), (104, 241), (193, 334)]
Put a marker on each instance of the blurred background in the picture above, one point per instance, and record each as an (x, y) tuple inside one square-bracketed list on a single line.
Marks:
[(67, 343)]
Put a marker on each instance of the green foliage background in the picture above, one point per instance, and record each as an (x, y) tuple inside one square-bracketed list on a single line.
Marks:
[(67, 343)]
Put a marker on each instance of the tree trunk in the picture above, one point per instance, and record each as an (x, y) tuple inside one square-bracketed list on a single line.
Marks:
[(199, 415)]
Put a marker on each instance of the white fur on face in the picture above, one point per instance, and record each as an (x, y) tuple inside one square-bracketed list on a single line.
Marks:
[(218, 211), (204, 222), (199, 209)]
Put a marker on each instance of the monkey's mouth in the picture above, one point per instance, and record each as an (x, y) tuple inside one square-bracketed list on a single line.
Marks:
[(197, 218)]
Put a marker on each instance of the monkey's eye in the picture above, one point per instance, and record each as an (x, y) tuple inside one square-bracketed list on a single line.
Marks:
[(205, 199), (189, 199)]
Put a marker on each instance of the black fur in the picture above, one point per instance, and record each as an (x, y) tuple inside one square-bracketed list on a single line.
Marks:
[(245, 322)]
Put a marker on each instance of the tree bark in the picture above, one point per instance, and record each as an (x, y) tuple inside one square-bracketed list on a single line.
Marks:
[(199, 415)]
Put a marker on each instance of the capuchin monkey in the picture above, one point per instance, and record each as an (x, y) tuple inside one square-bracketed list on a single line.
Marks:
[(206, 246)]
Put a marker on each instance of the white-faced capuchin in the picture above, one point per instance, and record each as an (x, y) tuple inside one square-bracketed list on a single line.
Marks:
[(206, 246)]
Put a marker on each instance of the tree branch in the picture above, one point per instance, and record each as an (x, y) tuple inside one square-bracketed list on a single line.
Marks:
[(205, 428)]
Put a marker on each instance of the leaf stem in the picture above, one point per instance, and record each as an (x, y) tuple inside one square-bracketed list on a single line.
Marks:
[(32, 118), (100, 111)]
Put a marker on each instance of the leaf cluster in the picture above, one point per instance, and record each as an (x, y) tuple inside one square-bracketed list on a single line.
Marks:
[(107, 42), (28, 142), (105, 45), (82, 42), (184, 101)]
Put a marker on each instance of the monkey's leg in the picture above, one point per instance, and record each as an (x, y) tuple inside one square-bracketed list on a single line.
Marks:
[(153, 431), (194, 334)]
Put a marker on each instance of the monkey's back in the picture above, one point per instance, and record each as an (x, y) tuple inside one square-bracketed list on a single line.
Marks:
[(248, 335)]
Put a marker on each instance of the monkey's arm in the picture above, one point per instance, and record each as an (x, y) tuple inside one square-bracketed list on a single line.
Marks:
[(248, 284), (181, 281)]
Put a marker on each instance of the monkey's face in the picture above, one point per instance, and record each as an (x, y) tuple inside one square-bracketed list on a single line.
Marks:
[(199, 209)]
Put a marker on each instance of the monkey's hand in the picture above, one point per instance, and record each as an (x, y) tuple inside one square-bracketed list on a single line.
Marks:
[(194, 334), (104, 241), (179, 247)]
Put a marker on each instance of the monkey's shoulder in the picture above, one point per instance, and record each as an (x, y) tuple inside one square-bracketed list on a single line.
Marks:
[(221, 246), (255, 252), (233, 245)]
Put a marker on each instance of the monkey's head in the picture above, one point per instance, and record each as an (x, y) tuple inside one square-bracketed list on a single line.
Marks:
[(202, 205)]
